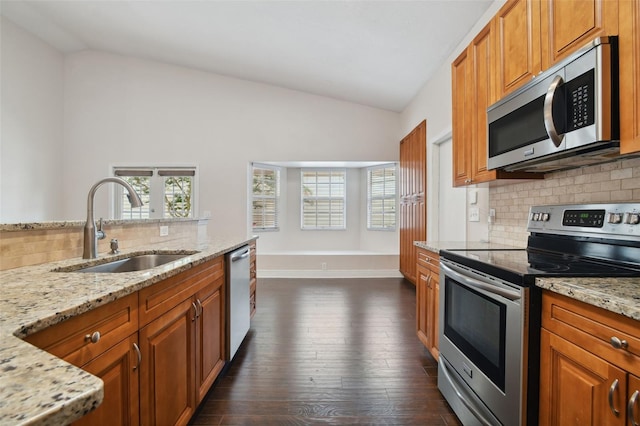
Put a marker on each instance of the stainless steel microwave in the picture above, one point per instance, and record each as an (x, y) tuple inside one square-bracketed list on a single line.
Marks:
[(565, 117)]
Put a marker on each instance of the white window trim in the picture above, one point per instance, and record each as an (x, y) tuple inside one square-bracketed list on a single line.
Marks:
[(368, 169), (116, 199), (302, 198), (278, 198)]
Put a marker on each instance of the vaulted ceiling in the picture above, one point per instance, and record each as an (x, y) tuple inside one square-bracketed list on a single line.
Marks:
[(375, 53)]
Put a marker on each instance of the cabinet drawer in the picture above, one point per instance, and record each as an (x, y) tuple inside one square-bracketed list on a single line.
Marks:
[(429, 260), (593, 328), (71, 339), (161, 297)]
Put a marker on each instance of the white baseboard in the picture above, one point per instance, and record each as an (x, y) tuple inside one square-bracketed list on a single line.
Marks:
[(316, 273)]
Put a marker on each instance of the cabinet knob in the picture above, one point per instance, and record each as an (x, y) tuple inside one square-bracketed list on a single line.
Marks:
[(93, 337), (618, 344)]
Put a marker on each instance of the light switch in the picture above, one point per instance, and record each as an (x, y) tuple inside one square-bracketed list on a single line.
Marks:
[(474, 214)]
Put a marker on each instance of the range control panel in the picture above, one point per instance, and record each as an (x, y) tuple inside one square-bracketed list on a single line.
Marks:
[(621, 220)]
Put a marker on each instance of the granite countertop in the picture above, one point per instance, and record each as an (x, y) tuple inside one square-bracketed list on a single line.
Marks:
[(436, 246), (37, 387), (25, 226), (618, 295)]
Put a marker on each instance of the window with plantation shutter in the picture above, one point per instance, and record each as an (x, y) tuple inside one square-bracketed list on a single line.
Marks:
[(323, 195), (266, 196), (381, 198), (166, 192)]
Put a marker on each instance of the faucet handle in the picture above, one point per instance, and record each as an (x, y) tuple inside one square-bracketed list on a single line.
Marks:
[(100, 233), (114, 246)]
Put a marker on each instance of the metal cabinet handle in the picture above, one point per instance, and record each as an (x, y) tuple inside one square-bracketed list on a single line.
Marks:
[(429, 281), (93, 337), (195, 310), (612, 389), (618, 344), (199, 306), (137, 349), (632, 403)]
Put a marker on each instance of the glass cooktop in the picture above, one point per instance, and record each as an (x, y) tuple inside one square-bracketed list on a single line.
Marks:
[(522, 266)]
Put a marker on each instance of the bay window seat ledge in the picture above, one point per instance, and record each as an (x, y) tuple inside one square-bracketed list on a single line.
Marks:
[(327, 264)]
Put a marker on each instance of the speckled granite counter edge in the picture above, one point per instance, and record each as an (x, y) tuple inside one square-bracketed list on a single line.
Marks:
[(42, 226), (617, 295), (38, 388)]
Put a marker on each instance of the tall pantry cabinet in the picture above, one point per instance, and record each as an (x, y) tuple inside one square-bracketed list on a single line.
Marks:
[(413, 212)]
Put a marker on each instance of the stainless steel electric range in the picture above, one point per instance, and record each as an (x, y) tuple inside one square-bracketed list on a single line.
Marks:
[(490, 309)]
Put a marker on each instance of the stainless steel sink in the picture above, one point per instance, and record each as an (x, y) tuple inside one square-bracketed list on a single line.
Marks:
[(134, 263)]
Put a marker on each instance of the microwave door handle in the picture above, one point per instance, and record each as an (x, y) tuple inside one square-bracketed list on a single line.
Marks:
[(459, 276), (548, 111)]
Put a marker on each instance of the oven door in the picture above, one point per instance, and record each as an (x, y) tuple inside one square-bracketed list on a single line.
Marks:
[(482, 330)]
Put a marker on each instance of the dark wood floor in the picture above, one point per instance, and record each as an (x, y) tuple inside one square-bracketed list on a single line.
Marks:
[(336, 351)]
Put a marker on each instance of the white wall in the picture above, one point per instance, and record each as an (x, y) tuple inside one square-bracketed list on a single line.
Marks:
[(31, 137), (131, 111), (433, 103)]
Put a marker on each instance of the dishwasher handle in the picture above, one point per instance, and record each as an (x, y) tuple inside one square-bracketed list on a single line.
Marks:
[(239, 256)]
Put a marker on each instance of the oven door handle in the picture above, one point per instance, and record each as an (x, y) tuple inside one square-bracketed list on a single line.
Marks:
[(458, 275)]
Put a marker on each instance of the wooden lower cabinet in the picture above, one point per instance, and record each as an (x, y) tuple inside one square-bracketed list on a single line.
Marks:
[(427, 296), (576, 385), (182, 355), (210, 341), (584, 378), (158, 351), (118, 369), (167, 373)]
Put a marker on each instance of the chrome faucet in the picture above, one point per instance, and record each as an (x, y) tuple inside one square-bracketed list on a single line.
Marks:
[(91, 235)]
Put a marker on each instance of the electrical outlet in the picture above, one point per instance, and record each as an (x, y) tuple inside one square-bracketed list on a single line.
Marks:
[(164, 231), (474, 214), (323, 265)]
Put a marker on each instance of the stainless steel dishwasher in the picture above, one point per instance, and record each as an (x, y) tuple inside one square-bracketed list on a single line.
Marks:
[(238, 309)]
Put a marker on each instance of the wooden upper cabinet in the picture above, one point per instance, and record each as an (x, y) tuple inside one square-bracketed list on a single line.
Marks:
[(474, 90), (483, 96), (629, 43), (461, 88), (517, 26), (565, 26)]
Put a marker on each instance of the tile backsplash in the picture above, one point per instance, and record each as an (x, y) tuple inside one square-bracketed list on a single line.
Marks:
[(609, 182), (49, 243)]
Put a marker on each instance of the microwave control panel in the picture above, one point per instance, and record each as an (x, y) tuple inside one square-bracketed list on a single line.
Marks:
[(579, 97)]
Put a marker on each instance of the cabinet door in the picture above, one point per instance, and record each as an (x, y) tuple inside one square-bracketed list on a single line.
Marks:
[(432, 307), (210, 341), (517, 26), (421, 304), (483, 86), (412, 218), (629, 42), (462, 118), (568, 25), (167, 373), (633, 398), (118, 369), (575, 385)]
